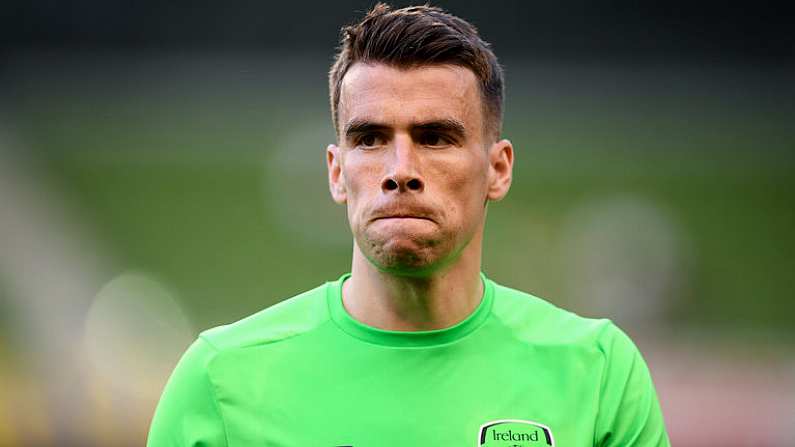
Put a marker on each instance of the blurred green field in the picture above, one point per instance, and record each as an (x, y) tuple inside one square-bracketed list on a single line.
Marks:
[(203, 222), (660, 197), (221, 191)]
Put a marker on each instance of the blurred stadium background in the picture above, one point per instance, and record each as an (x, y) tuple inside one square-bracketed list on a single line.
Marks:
[(162, 172)]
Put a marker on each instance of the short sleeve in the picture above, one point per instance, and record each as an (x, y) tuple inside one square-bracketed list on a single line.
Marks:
[(188, 413), (629, 411)]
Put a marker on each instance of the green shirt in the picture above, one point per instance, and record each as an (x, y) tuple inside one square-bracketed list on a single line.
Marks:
[(517, 372)]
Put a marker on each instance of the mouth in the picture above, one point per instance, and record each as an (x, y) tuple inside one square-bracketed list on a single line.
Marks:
[(402, 216), (403, 213)]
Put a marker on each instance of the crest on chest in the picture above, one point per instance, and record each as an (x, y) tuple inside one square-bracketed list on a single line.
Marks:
[(514, 433)]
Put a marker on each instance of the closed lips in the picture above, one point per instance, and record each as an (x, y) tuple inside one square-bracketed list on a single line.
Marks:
[(403, 216)]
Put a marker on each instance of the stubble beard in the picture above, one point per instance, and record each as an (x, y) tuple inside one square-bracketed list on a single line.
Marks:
[(412, 255)]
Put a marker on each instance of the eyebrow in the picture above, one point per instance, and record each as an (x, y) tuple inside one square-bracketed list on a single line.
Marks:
[(444, 125), (358, 126), (449, 125)]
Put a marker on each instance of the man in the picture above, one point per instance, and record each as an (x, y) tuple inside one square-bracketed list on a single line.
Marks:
[(414, 347)]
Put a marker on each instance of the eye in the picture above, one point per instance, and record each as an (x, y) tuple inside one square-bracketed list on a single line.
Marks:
[(369, 140), (434, 139)]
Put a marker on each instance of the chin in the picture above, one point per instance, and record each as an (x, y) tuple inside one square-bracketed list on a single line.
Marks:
[(403, 257)]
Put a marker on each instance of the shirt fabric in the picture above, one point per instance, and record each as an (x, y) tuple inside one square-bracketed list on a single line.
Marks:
[(517, 372)]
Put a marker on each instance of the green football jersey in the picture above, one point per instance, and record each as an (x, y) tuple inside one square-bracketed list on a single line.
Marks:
[(517, 372)]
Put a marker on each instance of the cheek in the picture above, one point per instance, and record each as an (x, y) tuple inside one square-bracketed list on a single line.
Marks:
[(465, 190), (362, 179)]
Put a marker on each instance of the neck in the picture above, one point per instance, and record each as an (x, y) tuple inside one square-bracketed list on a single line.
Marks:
[(409, 303)]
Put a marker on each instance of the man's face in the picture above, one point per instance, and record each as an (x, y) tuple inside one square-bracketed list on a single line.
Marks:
[(413, 164)]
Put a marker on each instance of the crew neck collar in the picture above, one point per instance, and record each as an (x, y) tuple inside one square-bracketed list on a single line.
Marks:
[(385, 337)]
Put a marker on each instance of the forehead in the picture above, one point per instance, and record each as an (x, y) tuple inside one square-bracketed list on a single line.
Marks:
[(396, 96)]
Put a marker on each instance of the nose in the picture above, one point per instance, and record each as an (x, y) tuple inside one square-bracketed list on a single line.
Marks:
[(396, 184), (403, 173)]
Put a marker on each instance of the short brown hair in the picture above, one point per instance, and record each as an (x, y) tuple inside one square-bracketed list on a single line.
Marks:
[(415, 36)]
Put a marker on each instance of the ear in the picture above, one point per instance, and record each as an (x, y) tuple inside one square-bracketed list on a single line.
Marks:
[(500, 169), (336, 179)]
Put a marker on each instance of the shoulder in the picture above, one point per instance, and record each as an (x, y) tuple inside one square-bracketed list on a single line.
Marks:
[(294, 316), (534, 319)]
